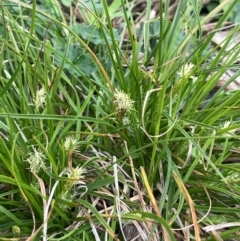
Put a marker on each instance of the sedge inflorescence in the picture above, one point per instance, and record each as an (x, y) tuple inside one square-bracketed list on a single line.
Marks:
[(40, 98), (122, 101), (36, 161)]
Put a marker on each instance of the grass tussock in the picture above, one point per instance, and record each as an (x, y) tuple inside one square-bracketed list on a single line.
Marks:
[(111, 130)]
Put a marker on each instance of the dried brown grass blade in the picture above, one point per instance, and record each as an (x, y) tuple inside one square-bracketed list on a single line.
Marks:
[(188, 198)]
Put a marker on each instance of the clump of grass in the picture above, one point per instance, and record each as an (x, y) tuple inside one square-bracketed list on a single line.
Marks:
[(95, 140)]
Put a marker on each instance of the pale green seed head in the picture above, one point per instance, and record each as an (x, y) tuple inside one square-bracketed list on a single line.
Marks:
[(123, 102)]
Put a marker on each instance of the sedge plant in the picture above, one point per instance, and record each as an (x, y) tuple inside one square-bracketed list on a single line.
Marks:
[(110, 133)]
